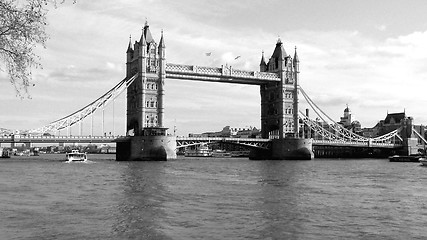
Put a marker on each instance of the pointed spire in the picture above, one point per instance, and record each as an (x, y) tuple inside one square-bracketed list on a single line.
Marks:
[(147, 33), (162, 42), (296, 59), (279, 52), (142, 40), (262, 60), (130, 44)]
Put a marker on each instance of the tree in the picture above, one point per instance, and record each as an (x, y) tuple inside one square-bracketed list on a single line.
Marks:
[(22, 28)]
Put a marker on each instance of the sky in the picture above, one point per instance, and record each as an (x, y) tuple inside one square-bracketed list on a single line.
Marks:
[(370, 55)]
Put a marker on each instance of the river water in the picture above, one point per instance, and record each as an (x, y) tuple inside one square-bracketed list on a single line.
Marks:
[(210, 198)]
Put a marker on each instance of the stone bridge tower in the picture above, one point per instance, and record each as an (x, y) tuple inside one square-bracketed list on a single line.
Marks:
[(279, 101), (145, 94), (279, 109), (146, 137)]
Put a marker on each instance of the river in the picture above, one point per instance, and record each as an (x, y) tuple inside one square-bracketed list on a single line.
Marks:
[(211, 198)]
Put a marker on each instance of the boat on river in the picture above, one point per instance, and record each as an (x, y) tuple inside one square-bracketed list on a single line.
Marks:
[(4, 153), (76, 156), (423, 161), (202, 151), (410, 158)]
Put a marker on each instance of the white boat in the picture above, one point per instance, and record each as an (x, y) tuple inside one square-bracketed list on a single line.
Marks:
[(202, 151), (76, 156), (423, 161)]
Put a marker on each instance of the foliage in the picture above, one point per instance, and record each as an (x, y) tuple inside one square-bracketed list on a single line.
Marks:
[(22, 28)]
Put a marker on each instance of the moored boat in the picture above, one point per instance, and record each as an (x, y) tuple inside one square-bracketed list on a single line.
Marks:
[(423, 161), (76, 156)]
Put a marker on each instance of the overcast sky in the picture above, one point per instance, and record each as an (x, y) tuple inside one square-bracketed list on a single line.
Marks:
[(370, 55)]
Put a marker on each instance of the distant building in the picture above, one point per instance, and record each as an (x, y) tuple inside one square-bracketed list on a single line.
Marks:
[(346, 119), (227, 131), (348, 124), (390, 123)]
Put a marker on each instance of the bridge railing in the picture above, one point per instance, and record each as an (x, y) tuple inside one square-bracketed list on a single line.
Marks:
[(69, 137), (223, 139), (349, 143), (30, 138), (248, 142)]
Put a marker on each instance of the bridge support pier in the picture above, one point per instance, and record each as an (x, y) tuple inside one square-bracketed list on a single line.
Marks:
[(292, 149), (286, 149), (153, 145)]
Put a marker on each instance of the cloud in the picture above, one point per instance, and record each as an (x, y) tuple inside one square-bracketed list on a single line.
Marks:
[(372, 76), (381, 28)]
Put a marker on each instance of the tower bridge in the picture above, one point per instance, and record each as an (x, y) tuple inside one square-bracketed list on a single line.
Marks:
[(287, 132)]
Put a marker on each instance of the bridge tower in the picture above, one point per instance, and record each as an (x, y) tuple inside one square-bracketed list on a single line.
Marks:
[(146, 137), (279, 107)]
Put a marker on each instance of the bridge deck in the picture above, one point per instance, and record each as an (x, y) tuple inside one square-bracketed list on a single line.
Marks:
[(185, 141), (58, 139), (354, 144)]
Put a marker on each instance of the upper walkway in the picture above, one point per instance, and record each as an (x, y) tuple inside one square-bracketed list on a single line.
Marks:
[(224, 74)]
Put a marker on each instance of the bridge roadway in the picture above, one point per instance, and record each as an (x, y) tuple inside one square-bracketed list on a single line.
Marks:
[(57, 139), (354, 144), (186, 141)]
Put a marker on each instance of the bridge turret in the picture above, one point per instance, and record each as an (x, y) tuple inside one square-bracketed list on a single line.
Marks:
[(162, 77), (129, 55), (143, 44), (161, 47), (296, 61), (142, 54), (262, 65), (295, 93)]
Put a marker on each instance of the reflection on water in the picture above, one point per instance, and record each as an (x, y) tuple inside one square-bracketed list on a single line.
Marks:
[(139, 211), (42, 198)]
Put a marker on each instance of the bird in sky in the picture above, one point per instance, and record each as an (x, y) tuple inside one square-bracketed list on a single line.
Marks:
[(208, 54), (237, 57)]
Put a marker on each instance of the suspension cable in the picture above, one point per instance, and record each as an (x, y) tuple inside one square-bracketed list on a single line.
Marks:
[(79, 115)]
